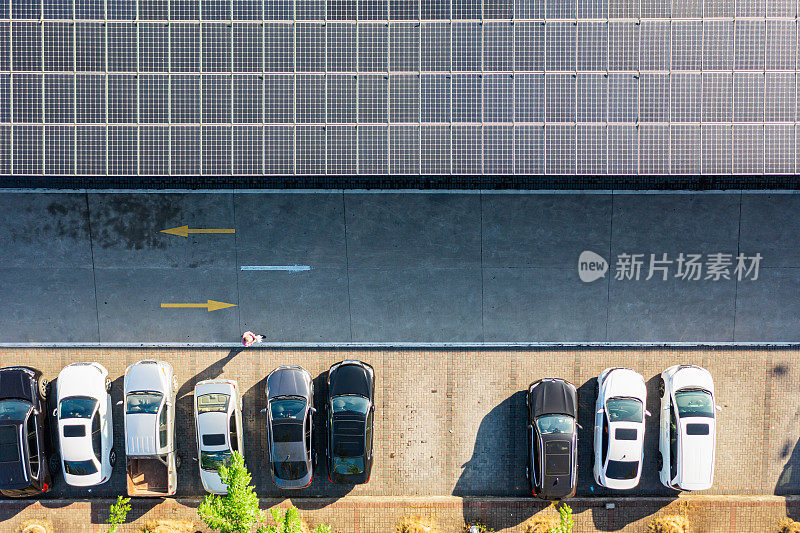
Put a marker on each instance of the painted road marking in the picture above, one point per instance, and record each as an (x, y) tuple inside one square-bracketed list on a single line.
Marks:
[(286, 268), (211, 305), (184, 231)]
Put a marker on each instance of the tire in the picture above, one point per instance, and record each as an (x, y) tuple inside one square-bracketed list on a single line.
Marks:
[(41, 385), (661, 387), (108, 385), (112, 457), (177, 461), (660, 461)]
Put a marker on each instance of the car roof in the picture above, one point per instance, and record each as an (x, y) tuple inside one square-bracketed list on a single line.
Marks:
[(13, 472), (213, 424), (77, 448), (697, 451)]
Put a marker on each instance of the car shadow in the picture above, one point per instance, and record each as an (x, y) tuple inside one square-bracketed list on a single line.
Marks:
[(497, 466), (789, 481)]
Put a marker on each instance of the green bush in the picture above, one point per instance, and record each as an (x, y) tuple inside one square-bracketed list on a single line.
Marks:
[(237, 511), (565, 515), (118, 512)]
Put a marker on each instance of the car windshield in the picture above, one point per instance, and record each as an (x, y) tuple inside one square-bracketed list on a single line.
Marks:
[(212, 403), (76, 407), (548, 424), (211, 461), (80, 468), (348, 465), (624, 410), (293, 407), (143, 402), (9, 444), (622, 469), (349, 402), (13, 409), (290, 470), (694, 402)]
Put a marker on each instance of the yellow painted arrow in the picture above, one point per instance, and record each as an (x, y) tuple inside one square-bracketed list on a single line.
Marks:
[(184, 231), (211, 305)]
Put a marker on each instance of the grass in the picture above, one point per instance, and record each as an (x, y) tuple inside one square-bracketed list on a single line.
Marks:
[(787, 525), (417, 524), (164, 525)]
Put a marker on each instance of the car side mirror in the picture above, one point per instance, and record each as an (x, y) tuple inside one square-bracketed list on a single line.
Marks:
[(719, 408), (647, 413), (600, 411), (313, 410), (264, 410), (579, 426), (35, 411), (119, 402), (55, 410)]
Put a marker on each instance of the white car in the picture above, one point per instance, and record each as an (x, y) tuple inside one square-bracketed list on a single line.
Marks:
[(688, 428), (218, 421), (619, 428), (85, 430)]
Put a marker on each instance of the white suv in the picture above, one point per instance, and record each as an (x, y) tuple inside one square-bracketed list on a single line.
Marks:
[(688, 428), (619, 428)]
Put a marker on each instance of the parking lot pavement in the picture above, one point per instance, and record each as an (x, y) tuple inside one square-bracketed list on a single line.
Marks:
[(452, 422), (94, 267)]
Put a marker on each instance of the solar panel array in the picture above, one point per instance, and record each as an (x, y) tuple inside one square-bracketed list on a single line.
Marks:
[(398, 86)]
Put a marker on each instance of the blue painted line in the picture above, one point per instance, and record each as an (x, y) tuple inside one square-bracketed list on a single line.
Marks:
[(286, 268)]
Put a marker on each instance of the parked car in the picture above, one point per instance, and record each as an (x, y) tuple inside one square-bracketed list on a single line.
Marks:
[(24, 468), (85, 429), (218, 421), (688, 428), (552, 438), (290, 411), (619, 428), (151, 456), (350, 406)]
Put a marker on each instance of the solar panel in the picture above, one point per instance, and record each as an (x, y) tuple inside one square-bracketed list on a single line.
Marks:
[(150, 87)]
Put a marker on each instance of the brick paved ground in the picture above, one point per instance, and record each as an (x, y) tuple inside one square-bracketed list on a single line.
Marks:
[(451, 422), (379, 514)]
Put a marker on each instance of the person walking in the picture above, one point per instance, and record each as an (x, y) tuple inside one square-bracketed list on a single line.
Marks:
[(249, 338)]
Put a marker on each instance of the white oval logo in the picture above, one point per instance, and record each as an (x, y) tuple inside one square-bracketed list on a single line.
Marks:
[(591, 266)]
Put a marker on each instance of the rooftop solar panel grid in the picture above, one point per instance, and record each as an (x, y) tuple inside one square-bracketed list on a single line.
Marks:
[(404, 87)]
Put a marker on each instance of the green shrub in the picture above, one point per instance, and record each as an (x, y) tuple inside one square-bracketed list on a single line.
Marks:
[(118, 512)]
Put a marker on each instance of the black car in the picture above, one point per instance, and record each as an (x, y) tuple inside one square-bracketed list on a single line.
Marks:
[(552, 438), (24, 470), (351, 388)]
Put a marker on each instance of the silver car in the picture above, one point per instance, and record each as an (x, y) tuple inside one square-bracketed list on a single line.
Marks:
[(290, 410)]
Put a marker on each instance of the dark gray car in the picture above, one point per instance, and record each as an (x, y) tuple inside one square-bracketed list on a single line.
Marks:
[(290, 410)]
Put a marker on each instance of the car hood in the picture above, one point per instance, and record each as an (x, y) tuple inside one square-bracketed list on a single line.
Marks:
[(554, 397), (16, 383), (291, 381), (350, 379), (80, 380), (12, 473), (697, 455), (140, 434), (692, 377), (624, 382), (146, 377)]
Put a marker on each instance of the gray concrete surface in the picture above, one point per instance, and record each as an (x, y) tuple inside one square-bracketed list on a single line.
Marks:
[(391, 267)]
